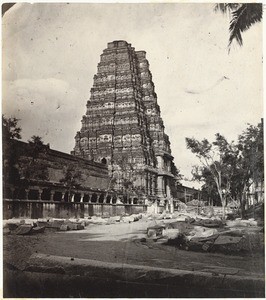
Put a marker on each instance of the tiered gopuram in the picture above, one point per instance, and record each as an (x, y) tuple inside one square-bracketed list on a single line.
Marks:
[(123, 128)]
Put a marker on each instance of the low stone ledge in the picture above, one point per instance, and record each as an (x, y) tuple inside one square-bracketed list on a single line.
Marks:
[(144, 274)]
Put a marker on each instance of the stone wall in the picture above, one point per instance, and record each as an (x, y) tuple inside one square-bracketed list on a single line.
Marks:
[(45, 209), (50, 167)]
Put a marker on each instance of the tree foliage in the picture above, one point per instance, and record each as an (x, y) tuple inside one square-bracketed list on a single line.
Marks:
[(36, 147), (10, 132), (10, 129), (249, 162), (216, 163), (229, 169), (72, 178), (243, 16)]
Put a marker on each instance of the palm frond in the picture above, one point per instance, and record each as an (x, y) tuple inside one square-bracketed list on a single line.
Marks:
[(226, 7), (221, 7), (242, 19)]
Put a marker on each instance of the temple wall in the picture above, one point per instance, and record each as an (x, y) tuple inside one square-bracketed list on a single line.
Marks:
[(44, 209), (93, 175)]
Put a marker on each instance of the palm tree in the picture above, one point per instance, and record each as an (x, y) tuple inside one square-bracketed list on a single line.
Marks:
[(243, 16)]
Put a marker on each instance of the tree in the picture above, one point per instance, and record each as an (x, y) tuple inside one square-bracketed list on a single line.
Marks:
[(32, 166), (243, 16), (125, 178), (249, 163), (10, 129), (217, 159), (71, 179), (209, 189), (36, 147), (10, 132)]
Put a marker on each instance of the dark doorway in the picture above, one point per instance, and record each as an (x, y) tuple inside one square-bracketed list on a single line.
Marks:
[(46, 194), (94, 198), (104, 161), (101, 198), (33, 195)]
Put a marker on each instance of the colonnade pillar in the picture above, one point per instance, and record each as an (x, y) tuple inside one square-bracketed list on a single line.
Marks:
[(81, 197), (40, 194), (27, 194), (52, 195), (63, 197)]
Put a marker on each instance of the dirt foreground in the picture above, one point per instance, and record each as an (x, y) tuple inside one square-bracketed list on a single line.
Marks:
[(124, 245)]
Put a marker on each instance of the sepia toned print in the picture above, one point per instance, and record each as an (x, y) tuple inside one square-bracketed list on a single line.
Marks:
[(133, 156)]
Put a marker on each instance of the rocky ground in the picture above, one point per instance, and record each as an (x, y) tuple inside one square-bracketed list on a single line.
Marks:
[(126, 242)]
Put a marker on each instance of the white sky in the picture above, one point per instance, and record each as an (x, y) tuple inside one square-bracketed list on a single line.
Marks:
[(51, 52)]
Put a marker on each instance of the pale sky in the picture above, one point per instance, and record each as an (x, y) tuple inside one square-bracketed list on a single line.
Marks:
[(51, 52)]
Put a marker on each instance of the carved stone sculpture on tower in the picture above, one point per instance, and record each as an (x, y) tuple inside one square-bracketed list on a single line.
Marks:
[(123, 128)]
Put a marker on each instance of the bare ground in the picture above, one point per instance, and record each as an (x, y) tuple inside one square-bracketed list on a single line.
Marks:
[(121, 243)]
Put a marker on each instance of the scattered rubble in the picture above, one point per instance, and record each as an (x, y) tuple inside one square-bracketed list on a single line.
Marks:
[(156, 231), (184, 229), (199, 233)]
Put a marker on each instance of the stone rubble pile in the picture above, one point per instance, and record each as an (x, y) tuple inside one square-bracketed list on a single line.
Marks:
[(33, 226), (199, 233)]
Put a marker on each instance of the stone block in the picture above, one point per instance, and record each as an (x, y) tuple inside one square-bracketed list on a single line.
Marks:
[(75, 226), (42, 223), (37, 229), (155, 231), (225, 240), (23, 230), (171, 233), (12, 226), (129, 219), (64, 228), (56, 224)]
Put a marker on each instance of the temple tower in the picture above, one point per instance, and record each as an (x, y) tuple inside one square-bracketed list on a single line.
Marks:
[(122, 127)]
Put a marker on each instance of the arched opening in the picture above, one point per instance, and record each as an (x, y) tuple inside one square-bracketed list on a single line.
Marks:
[(135, 200), (108, 199), (86, 198), (101, 198), (94, 198), (125, 199), (104, 161), (114, 200), (77, 197), (66, 197)]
